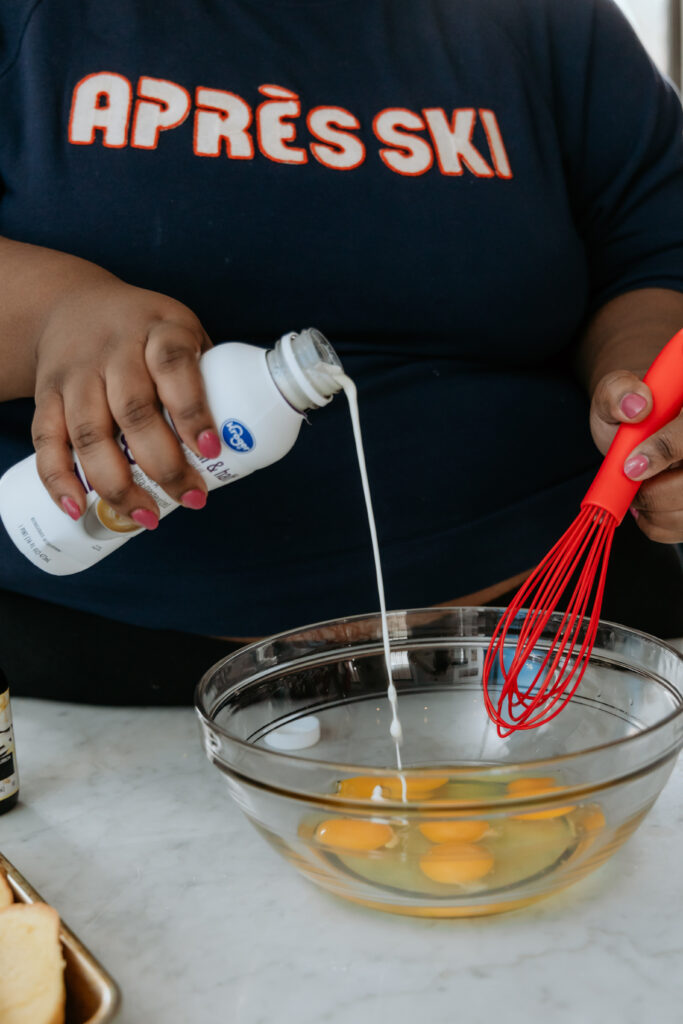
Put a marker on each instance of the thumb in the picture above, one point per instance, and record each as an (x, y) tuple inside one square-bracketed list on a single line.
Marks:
[(621, 397)]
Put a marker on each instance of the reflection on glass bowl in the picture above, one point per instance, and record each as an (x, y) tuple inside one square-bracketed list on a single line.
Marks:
[(487, 824)]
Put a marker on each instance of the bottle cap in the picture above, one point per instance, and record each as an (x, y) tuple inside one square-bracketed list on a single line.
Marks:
[(305, 369)]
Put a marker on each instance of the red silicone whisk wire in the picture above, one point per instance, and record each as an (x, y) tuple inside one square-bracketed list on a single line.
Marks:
[(579, 559), (581, 555)]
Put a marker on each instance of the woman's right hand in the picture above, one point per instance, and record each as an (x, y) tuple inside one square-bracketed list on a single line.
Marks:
[(107, 358)]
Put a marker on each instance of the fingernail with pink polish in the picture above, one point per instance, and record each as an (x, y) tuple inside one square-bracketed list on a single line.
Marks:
[(70, 507), (635, 513), (632, 405), (209, 444), (636, 465), (145, 518), (194, 498)]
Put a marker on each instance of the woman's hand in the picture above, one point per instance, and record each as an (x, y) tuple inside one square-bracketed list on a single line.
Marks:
[(621, 397), (108, 357)]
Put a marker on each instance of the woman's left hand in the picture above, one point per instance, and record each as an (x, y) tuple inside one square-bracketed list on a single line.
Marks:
[(621, 397)]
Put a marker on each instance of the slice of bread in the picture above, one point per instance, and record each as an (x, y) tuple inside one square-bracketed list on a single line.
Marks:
[(31, 965), (6, 894)]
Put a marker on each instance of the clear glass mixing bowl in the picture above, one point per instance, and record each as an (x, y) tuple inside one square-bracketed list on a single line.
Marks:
[(298, 725)]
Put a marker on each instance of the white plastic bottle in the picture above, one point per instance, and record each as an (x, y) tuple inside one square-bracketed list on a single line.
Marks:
[(257, 398)]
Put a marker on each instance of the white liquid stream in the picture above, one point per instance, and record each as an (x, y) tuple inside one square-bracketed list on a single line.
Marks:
[(395, 727)]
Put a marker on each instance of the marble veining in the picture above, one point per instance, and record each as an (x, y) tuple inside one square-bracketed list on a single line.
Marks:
[(124, 826)]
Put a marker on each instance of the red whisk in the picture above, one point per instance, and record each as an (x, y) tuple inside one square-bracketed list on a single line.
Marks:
[(580, 557)]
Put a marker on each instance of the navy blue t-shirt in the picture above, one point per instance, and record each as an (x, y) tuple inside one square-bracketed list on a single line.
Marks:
[(446, 188)]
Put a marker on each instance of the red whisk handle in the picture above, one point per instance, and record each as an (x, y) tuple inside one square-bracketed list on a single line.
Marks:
[(612, 490)]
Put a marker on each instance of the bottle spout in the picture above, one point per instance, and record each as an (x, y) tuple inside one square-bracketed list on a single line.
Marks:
[(305, 369)]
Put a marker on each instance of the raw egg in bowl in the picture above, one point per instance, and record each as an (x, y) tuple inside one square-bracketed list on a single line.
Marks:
[(471, 823)]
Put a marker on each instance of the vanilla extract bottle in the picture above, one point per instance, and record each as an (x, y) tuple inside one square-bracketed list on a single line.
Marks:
[(9, 779)]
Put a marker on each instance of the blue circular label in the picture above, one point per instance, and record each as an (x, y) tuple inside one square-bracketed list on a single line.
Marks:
[(237, 436)]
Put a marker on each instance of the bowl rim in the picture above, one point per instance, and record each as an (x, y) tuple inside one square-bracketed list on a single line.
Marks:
[(410, 772)]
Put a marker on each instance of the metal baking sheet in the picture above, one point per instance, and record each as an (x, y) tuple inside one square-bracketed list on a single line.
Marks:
[(92, 996)]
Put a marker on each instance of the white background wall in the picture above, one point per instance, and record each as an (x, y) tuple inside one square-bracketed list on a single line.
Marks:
[(652, 20)]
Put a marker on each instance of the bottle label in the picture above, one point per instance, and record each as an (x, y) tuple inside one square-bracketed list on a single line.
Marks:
[(9, 779), (237, 436), (101, 522), (99, 514)]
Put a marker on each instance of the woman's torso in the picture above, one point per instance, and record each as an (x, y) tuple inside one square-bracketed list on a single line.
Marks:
[(449, 275)]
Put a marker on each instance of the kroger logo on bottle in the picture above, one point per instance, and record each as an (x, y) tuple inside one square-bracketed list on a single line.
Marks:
[(237, 436)]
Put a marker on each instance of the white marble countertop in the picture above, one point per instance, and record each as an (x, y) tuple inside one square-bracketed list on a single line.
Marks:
[(125, 827)]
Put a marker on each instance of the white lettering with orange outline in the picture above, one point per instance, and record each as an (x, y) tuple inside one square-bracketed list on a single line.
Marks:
[(501, 161), (272, 132), (453, 142), (222, 117), (343, 151), (161, 105), (409, 154), (101, 102)]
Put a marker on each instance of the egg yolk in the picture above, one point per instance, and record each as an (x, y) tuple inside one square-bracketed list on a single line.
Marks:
[(456, 863), (416, 789), (362, 787), (530, 787), (550, 812), (353, 835), (593, 820), (454, 831), (537, 787)]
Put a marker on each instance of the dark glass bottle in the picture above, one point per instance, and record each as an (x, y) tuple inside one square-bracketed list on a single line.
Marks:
[(9, 779)]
